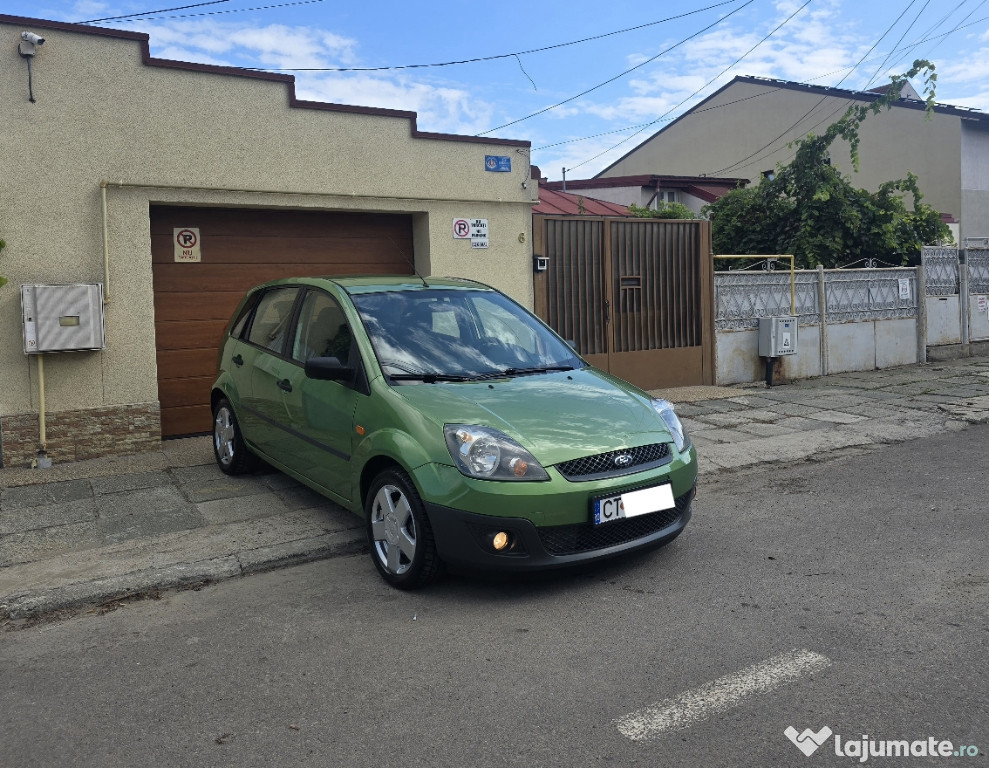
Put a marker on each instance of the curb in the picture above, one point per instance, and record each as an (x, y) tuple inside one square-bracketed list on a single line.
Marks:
[(33, 604)]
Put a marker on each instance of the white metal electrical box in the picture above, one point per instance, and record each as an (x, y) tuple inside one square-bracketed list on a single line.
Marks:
[(777, 336), (62, 318)]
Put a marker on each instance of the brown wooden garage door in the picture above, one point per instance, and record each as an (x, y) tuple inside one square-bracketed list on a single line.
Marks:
[(239, 249)]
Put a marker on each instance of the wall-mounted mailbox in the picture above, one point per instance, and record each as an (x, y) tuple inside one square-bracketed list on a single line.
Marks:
[(777, 336), (62, 318)]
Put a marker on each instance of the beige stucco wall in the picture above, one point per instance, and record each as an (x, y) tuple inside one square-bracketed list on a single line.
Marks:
[(745, 117), (191, 137)]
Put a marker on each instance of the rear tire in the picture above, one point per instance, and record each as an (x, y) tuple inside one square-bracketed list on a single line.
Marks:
[(232, 455), (402, 544)]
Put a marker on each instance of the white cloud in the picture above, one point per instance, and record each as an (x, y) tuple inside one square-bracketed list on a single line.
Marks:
[(272, 46), (440, 109), (90, 9)]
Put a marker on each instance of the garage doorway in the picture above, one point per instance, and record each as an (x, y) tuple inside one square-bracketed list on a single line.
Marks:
[(239, 248)]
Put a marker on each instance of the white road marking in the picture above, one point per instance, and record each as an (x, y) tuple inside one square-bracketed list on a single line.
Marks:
[(719, 695)]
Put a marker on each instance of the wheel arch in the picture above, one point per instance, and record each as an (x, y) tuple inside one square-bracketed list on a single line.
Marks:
[(375, 466)]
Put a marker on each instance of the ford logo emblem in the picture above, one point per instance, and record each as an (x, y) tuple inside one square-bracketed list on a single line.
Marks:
[(623, 459)]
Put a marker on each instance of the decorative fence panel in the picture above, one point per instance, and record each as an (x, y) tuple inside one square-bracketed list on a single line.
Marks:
[(941, 265), (852, 295), (870, 294), (978, 271), (743, 297), (871, 317)]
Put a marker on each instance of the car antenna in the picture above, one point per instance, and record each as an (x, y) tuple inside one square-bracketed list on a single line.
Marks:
[(412, 263)]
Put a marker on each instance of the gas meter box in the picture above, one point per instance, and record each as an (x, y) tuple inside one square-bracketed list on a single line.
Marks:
[(777, 336), (62, 318)]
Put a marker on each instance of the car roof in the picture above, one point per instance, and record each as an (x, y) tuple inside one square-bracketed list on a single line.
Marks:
[(355, 284)]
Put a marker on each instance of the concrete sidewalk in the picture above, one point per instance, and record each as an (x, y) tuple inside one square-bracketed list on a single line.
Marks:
[(94, 531)]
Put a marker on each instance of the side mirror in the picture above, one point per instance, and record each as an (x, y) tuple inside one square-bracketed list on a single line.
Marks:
[(328, 369)]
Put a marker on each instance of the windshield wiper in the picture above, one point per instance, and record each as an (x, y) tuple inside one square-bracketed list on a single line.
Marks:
[(539, 369), (508, 372), (429, 378), (432, 378)]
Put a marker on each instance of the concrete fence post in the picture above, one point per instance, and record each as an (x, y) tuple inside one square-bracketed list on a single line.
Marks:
[(922, 313), (963, 299), (822, 300)]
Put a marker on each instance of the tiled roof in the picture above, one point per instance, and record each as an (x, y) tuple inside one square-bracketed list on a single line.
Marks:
[(557, 203), (656, 181)]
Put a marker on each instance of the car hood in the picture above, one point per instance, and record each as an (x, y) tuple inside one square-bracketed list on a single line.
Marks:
[(556, 416)]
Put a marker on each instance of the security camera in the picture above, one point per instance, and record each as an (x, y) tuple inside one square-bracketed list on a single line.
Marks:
[(30, 37)]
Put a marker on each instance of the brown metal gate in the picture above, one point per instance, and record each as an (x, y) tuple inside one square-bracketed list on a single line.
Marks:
[(635, 295)]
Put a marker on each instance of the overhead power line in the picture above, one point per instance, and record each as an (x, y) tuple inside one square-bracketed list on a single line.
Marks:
[(146, 13), (621, 74), (150, 15), (958, 26), (961, 25), (744, 160), (928, 37), (496, 57), (879, 69), (695, 93)]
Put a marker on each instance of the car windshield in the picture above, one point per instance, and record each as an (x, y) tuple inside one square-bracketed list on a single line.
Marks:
[(453, 335)]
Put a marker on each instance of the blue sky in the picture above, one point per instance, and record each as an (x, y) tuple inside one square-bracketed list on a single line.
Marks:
[(633, 82)]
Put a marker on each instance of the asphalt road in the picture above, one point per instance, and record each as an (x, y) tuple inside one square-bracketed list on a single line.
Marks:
[(851, 594)]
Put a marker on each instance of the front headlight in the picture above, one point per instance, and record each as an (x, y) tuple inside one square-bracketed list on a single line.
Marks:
[(488, 454), (665, 410)]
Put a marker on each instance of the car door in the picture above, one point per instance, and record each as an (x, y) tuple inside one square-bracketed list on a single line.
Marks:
[(237, 360), (264, 414), (322, 412)]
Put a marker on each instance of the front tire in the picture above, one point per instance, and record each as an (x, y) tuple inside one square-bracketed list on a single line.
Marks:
[(232, 455), (402, 545)]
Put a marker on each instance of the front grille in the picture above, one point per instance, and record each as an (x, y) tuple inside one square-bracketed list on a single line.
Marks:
[(586, 537), (603, 464)]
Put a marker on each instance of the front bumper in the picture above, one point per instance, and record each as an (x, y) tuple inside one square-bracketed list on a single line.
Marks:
[(461, 538)]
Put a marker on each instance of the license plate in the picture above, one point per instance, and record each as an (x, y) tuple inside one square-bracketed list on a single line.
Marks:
[(633, 503)]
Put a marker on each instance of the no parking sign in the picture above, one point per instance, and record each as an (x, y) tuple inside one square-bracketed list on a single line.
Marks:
[(186, 243), (475, 230)]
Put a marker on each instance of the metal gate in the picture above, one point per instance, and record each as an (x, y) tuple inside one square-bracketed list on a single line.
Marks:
[(634, 295)]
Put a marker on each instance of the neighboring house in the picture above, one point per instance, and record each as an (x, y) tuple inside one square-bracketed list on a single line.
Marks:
[(746, 127), (177, 186), (651, 191)]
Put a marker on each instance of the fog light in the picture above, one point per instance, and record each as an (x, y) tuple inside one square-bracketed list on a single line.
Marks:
[(500, 540)]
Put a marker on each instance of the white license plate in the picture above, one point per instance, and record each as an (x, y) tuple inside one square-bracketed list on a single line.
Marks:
[(633, 503)]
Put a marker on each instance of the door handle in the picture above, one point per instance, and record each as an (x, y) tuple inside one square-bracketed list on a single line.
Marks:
[(285, 385), (237, 360)]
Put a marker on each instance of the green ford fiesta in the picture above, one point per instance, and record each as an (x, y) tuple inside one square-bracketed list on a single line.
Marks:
[(461, 428)]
